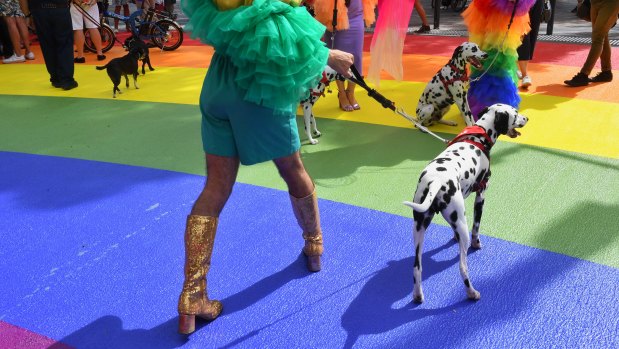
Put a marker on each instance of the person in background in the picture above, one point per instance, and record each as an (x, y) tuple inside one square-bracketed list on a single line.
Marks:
[(52, 18), (425, 26), (118, 4), (18, 31), (85, 13), (237, 96), (347, 36), (525, 50), (603, 18)]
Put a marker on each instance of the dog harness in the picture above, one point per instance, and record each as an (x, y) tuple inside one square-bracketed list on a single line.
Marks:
[(325, 81), (466, 136), (461, 75)]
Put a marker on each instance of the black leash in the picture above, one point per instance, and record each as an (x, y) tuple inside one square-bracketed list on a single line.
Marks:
[(357, 78)]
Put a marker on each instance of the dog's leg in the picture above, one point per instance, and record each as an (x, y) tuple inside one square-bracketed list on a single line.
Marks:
[(315, 131), (457, 219), (477, 211), (424, 112), (463, 104), (126, 81), (135, 80), (307, 116), (150, 67), (421, 223)]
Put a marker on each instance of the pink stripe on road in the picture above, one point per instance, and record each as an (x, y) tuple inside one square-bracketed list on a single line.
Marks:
[(13, 337)]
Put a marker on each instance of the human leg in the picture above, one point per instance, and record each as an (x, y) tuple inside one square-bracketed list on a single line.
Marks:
[(11, 24), (304, 205), (200, 232), (603, 17), (22, 28), (350, 93), (343, 97), (425, 27)]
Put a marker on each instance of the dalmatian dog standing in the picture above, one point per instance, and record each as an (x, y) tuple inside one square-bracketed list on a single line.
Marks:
[(307, 104), (462, 168), (449, 86)]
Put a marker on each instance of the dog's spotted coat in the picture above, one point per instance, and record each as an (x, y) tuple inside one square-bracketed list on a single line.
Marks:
[(311, 130), (448, 86), (443, 185)]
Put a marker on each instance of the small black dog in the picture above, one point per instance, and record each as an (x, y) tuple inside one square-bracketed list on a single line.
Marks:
[(131, 42), (123, 66)]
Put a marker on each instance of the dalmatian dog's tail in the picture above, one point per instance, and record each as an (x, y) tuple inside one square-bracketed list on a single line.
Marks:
[(433, 189)]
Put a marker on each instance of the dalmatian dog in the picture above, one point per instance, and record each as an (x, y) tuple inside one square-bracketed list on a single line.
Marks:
[(449, 86), (462, 168), (311, 130)]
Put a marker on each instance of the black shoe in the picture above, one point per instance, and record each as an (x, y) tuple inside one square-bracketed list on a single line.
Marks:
[(423, 29), (69, 86), (579, 79), (603, 76), (55, 83), (79, 60), (100, 57)]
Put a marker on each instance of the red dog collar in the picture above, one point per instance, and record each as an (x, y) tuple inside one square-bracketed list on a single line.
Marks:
[(476, 131)]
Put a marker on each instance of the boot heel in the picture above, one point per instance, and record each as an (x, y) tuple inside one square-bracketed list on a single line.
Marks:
[(313, 263), (186, 323)]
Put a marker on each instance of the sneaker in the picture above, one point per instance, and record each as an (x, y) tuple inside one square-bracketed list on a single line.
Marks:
[(69, 86), (14, 59), (30, 55), (79, 60), (579, 79), (115, 30), (423, 29), (100, 57), (603, 76), (519, 73), (526, 81)]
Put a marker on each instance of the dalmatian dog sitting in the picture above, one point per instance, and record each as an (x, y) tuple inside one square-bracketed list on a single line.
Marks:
[(462, 168), (449, 86), (311, 130)]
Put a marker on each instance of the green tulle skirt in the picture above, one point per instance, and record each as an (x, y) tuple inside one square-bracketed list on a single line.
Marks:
[(275, 47)]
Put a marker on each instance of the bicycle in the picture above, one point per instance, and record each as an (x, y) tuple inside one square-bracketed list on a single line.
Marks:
[(155, 26)]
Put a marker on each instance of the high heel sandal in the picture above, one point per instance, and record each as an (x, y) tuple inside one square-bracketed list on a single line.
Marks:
[(355, 106), (346, 108)]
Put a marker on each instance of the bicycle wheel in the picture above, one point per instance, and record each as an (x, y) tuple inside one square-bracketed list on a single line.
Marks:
[(166, 35), (107, 39)]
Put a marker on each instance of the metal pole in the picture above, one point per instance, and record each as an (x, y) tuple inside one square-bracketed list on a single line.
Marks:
[(437, 12), (551, 22)]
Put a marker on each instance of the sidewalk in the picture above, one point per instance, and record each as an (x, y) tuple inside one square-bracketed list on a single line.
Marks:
[(566, 27)]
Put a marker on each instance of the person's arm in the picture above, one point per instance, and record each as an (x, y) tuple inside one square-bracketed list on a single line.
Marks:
[(23, 4), (341, 61)]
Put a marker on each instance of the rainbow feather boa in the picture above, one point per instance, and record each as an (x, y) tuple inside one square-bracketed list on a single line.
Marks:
[(487, 22)]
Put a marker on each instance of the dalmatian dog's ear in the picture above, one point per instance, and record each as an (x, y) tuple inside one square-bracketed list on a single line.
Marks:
[(501, 122), (481, 113), (457, 52)]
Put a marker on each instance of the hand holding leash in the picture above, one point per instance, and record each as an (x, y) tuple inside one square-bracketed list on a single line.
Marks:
[(341, 62)]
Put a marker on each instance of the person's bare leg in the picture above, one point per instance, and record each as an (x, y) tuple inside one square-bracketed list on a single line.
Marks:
[(350, 93), (343, 97), (221, 174), (304, 205), (22, 27), (78, 40), (95, 36), (199, 240), (11, 24)]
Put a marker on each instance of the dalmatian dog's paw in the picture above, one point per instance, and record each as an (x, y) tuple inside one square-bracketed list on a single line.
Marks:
[(316, 134), (418, 298), (473, 294), (476, 243), (313, 141)]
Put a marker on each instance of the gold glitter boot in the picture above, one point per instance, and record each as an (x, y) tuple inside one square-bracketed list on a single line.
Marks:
[(306, 211), (193, 301)]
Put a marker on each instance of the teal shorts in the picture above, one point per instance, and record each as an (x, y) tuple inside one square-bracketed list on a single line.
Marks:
[(234, 128)]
